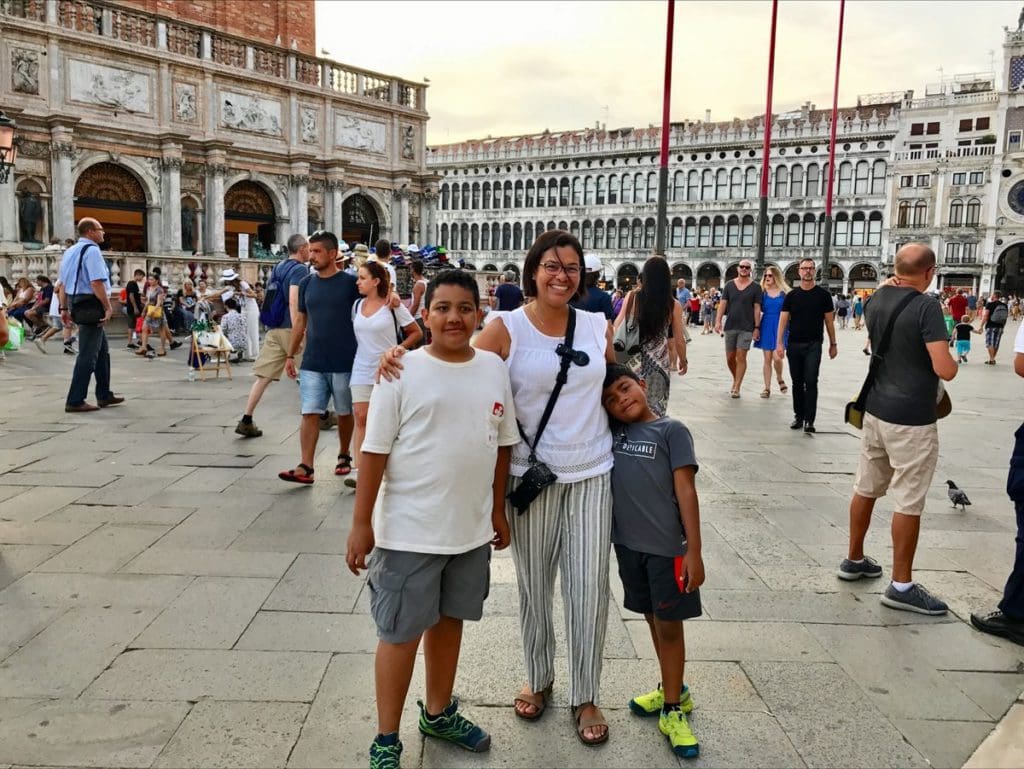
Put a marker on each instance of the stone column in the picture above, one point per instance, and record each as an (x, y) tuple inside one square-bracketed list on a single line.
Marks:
[(298, 199), (62, 152), (9, 216), (428, 220), (396, 217), (170, 194), (333, 208), (214, 224), (403, 195)]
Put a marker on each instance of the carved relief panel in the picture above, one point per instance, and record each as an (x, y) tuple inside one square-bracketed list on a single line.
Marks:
[(245, 112), (186, 103), (360, 134), (25, 71), (309, 130), (112, 87)]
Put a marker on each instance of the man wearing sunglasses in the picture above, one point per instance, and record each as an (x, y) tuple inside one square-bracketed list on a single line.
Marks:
[(741, 308), (806, 312)]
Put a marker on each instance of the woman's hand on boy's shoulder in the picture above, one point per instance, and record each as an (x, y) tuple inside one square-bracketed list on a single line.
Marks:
[(390, 367)]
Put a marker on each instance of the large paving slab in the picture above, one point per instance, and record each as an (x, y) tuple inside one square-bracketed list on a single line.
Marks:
[(166, 601)]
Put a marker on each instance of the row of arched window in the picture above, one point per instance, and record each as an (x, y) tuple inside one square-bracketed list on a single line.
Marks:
[(965, 216), (857, 229), (792, 181)]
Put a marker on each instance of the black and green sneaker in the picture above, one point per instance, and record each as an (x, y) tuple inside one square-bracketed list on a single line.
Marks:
[(451, 726), (386, 751)]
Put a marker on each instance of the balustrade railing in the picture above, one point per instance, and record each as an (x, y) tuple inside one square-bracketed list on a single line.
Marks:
[(80, 16), (184, 40), (133, 28), (96, 17), (228, 52), (33, 10)]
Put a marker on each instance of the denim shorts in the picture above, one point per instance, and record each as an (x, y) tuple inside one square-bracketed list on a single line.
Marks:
[(316, 388)]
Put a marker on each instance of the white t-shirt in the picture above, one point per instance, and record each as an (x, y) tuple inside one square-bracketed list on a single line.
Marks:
[(1018, 342), (374, 336), (442, 424)]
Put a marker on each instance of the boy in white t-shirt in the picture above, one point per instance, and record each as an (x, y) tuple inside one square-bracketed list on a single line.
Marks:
[(435, 522)]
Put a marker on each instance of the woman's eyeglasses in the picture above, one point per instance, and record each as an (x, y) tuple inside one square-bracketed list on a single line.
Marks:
[(553, 268)]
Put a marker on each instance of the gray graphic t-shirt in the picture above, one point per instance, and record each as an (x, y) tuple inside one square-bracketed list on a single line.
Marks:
[(645, 510)]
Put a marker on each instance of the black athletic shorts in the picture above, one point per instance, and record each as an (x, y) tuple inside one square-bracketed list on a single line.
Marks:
[(653, 584)]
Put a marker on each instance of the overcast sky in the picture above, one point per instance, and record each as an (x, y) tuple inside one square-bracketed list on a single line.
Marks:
[(506, 68)]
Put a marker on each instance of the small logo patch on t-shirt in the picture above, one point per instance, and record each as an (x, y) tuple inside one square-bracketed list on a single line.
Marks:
[(642, 449), (498, 410)]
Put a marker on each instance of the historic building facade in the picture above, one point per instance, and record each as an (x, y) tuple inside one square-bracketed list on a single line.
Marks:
[(497, 194), (946, 168), (183, 138)]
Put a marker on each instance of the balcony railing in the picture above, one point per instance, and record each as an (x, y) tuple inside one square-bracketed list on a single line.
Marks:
[(137, 28)]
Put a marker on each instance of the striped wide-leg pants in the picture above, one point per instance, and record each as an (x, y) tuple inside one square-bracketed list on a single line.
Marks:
[(567, 529)]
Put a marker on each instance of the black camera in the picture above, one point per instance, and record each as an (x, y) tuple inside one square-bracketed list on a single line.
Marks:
[(537, 478)]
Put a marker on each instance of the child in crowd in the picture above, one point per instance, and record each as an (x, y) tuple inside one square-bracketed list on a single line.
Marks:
[(962, 334), (656, 533), (435, 522), (232, 325)]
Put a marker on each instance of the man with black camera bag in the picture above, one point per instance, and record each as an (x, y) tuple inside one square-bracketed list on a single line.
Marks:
[(84, 290)]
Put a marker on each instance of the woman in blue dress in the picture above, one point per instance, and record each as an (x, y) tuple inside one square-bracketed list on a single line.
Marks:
[(775, 288)]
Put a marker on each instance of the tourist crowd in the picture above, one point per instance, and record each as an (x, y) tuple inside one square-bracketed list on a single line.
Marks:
[(551, 422)]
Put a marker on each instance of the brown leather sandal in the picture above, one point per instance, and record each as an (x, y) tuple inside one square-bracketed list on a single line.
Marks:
[(588, 722), (540, 700)]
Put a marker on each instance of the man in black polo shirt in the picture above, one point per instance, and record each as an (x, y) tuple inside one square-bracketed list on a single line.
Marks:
[(807, 311)]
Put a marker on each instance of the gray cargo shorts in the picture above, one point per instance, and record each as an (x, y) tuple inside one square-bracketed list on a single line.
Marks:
[(410, 591), (738, 340)]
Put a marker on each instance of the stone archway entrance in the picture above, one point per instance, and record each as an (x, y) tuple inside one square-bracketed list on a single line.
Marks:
[(1010, 270), (627, 276), (360, 223), (682, 271), (708, 276), (111, 193), (863, 276), (248, 210)]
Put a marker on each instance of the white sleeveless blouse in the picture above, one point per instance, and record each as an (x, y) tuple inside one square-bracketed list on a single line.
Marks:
[(577, 442)]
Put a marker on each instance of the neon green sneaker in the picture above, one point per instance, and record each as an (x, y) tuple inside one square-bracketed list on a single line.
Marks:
[(675, 726), (453, 727), (649, 705), (386, 751)]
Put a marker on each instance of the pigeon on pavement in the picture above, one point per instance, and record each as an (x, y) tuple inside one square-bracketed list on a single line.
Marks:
[(957, 496)]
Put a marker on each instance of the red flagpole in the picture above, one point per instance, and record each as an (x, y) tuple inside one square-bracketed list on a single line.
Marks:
[(832, 153), (659, 246), (762, 218)]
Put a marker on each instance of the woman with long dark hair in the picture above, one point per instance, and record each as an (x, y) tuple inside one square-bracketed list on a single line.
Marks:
[(654, 308)]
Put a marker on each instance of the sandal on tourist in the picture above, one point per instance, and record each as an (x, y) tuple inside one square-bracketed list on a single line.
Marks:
[(293, 476), (162, 353), (765, 393), (588, 722), (344, 466), (538, 700), (782, 386)]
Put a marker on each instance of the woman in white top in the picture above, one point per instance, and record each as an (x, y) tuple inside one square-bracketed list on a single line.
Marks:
[(377, 328), (244, 294), (568, 526)]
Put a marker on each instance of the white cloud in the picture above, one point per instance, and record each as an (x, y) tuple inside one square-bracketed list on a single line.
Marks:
[(503, 68)]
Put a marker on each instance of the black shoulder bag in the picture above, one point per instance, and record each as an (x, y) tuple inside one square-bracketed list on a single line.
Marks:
[(87, 309), (855, 409), (539, 476)]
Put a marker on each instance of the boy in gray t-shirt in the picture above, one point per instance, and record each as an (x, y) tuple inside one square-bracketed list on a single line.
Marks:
[(656, 532)]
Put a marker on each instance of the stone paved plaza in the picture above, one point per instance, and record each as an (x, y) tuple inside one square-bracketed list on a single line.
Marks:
[(166, 601)]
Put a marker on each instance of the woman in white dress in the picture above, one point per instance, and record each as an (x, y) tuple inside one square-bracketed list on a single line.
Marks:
[(378, 327)]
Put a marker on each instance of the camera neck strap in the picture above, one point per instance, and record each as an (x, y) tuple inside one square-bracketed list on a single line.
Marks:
[(563, 375)]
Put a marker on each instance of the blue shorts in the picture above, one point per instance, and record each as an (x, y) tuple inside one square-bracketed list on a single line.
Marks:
[(963, 346), (316, 389)]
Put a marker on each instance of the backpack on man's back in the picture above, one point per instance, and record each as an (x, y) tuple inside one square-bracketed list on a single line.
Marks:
[(275, 300), (999, 315)]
